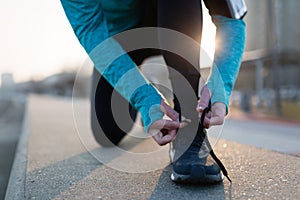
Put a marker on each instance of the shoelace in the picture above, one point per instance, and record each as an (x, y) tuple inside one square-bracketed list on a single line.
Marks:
[(211, 152)]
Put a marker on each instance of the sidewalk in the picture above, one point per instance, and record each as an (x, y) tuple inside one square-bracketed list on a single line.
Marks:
[(58, 166), (236, 113)]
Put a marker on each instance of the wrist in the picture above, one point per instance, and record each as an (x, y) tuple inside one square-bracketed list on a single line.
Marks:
[(147, 100)]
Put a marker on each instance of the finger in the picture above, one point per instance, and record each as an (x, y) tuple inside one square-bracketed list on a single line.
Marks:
[(204, 99), (157, 137), (207, 119), (208, 115), (168, 138), (173, 134), (168, 124), (184, 122), (166, 109), (200, 114), (206, 122), (164, 139), (164, 126)]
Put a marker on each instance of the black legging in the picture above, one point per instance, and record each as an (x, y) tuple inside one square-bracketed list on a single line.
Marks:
[(178, 15)]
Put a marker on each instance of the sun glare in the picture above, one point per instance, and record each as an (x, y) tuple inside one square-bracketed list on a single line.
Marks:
[(208, 40)]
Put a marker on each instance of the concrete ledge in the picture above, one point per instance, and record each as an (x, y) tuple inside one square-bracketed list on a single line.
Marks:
[(17, 179)]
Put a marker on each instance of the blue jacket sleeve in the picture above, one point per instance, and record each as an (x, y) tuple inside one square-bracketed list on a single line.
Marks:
[(90, 26), (230, 46)]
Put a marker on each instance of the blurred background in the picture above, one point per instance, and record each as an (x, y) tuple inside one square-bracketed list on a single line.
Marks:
[(40, 54)]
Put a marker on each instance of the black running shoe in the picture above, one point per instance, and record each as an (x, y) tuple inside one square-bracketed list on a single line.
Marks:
[(192, 168)]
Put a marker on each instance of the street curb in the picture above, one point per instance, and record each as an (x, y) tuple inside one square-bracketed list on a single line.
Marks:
[(16, 185)]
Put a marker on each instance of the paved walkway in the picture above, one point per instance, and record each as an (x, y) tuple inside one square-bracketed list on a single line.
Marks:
[(60, 167), (281, 137)]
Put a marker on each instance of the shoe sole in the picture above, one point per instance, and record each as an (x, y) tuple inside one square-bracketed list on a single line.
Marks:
[(189, 179)]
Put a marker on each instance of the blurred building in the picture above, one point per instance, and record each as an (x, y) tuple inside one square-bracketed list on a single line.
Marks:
[(60, 84), (260, 20), (7, 81), (271, 63)]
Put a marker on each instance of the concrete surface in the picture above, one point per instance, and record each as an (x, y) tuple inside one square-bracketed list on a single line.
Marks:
[(281, 137), (11, 117), (60, 167)]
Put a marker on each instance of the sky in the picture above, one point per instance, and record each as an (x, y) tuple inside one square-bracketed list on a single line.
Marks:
[(36, 39)]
